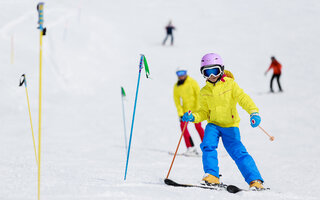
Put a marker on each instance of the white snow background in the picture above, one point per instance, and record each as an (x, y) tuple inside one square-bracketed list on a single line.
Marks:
[(92, 48)]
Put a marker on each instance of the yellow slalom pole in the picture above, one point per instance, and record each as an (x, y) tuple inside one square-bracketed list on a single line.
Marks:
[(40, 101), (34, 143), (42, 32), (24, 81)]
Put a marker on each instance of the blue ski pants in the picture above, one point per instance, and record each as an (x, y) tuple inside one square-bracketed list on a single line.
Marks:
[(232, 143)]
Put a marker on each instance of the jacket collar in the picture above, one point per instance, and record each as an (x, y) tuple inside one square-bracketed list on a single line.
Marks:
[(220, 81)]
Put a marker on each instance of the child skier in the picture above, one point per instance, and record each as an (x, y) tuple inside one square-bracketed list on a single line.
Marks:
[(218, 100), (186, 97)]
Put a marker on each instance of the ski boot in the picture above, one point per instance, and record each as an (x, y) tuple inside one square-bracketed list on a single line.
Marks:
[(192, 152), (210, 180), (256, 185)]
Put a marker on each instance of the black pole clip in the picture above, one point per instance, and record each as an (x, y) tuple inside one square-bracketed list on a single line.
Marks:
[(23, 80)]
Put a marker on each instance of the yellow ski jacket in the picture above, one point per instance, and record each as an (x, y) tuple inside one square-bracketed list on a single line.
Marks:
[(218, 103), (186, 96)]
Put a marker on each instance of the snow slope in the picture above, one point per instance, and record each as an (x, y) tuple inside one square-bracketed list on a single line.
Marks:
[(92, 48)]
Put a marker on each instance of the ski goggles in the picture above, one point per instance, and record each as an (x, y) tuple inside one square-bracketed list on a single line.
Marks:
[(214, 70), (181, 73)]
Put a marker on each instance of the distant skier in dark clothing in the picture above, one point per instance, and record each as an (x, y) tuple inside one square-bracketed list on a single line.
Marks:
[(169, 29), (276, 66)]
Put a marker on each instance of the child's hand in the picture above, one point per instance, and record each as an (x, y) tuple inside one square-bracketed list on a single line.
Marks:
[(255, 119), (188, 117)]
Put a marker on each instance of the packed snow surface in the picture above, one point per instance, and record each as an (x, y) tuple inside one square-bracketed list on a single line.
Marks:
[(92, 48)]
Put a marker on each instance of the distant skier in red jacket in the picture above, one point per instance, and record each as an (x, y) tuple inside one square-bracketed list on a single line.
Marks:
[(276, 66)]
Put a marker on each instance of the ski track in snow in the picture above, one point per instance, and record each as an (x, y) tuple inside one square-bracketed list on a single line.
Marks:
[(6, 29)]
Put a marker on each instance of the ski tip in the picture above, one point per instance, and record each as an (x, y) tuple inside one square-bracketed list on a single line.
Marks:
[(233, 189), (169, 182)]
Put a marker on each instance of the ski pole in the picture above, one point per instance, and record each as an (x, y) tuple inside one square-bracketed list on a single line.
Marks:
[(123, 94), (134, 112), (23, 81), (42, 33), (175, 153), (270, 137)]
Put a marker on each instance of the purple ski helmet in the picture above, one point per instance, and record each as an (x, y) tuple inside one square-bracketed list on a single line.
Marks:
[(211, 59)]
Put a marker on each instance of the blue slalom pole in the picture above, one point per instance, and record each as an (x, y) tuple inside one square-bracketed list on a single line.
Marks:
[(134, 112)]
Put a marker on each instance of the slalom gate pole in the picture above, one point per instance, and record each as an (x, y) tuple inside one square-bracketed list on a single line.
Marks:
[(175, 153), (134, 112), (123, 94), (24, 82), (42, 33), (270, 137)]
